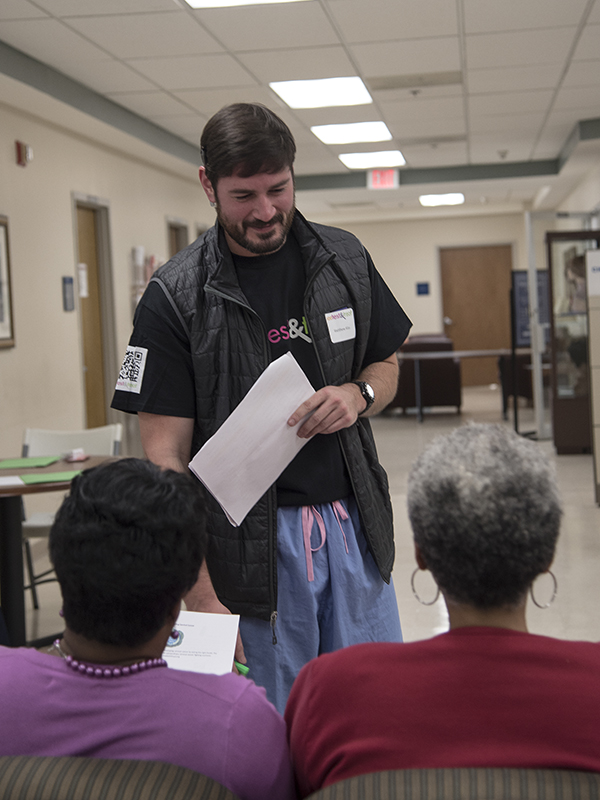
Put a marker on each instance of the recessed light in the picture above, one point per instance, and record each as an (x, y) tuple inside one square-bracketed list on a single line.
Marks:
[(229, 3), (348, 133), (450, 199), (323, 92), (382, 158)]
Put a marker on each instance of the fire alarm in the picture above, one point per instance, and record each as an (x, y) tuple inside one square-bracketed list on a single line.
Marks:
[(24, 154)]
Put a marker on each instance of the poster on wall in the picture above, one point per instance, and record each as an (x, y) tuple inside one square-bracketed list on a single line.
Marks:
[(7, 338)]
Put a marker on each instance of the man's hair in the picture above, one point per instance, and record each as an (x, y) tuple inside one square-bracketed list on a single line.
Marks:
[(127, 543), (245, 138), (485, 512)]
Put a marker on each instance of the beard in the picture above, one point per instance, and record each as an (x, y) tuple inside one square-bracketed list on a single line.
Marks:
[(260, 243)]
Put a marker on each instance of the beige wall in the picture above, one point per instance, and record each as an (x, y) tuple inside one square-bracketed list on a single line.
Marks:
[(407, 252), (41, 378)]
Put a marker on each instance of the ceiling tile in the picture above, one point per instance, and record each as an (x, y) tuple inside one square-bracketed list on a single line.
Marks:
[(425, 111), (191, 72), (328, 116), (138, 35), (579, 98), (149, 104), (553, 137), (435, 155), (269, 27), (65, 8), (509, 102), (501, 123), (583, 73), (408, 126), (484, 149), (19, 9), (505, 79), (108, 76), (49, 41), (298, 64), (188, 125), (525, 48), (209, 101), (421, 92), (512, 15), (384, 20), (408, 57), (588, 46)]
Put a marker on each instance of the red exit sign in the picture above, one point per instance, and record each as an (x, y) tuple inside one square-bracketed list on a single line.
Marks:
[(383, 179)]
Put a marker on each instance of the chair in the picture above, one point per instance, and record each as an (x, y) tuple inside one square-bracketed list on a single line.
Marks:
[(103, 441), (61, 777), (440, 378), (481, 783)]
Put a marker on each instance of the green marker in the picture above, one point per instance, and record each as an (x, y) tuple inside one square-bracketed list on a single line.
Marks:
[(243, 669)]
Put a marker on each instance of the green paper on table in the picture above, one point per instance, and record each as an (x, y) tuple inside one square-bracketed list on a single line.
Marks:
[(50, 477), (25, 463)]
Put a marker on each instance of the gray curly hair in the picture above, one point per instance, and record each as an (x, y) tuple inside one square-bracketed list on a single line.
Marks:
[(485, 512)]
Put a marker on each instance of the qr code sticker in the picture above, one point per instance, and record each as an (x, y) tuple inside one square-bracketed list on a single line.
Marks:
[(132, 370)]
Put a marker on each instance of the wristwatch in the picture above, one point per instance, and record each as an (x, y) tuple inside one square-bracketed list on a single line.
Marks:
[(367, 392)]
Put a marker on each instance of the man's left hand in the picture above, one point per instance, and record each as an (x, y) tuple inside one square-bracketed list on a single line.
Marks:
[(331, 408)]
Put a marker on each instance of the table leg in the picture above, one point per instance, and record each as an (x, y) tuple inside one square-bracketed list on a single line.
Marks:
[(418, 398), (12, 598)]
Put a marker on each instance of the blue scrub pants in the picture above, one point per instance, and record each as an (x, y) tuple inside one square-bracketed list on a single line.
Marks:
[(347, 602)]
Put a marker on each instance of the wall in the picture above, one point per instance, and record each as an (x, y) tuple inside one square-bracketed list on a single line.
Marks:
[(41, 378), (407, 252)]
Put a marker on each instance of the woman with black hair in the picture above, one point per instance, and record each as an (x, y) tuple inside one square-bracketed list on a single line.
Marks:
[(127, 545)]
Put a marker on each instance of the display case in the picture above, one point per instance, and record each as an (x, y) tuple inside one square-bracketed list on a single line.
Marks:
[(571, 414)]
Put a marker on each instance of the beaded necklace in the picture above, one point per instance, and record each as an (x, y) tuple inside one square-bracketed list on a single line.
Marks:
[(108, 672)]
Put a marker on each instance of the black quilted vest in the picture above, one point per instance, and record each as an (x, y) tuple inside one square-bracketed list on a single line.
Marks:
[(229, 351)]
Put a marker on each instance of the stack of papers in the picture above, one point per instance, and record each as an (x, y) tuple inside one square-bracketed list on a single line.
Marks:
[(255, 444)]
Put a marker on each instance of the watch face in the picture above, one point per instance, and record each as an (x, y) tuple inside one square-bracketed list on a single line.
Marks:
[(368, 392)]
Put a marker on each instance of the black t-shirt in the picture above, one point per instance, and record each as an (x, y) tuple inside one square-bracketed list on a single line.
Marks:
[(274, 287)]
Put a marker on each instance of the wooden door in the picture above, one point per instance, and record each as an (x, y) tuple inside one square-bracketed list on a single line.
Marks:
[(91, 318), (476, 305)]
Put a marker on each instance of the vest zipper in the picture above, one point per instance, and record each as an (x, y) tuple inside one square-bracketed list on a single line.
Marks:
[(271, 530)]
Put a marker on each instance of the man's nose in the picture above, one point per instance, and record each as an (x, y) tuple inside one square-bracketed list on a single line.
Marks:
[(264, 209)]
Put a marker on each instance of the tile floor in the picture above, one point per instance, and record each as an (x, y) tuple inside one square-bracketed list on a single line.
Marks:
[(575, 614)]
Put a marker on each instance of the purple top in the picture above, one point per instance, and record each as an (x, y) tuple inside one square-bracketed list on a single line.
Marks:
[(220, 725)]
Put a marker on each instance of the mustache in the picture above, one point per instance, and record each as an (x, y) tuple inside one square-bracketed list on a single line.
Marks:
[(278, 218)]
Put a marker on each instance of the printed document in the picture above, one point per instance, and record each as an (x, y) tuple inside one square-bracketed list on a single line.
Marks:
[(202, 642)]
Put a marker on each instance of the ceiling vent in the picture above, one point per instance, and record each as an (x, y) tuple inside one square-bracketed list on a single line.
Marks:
[(414, 81)]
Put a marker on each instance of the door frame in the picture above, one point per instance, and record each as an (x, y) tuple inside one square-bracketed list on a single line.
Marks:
[(107, 303)]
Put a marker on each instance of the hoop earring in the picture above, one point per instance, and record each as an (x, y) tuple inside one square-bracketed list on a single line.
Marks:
[(414, 591), (554, 591)]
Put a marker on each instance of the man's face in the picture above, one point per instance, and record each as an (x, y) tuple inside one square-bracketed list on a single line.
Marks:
[(256, 213)]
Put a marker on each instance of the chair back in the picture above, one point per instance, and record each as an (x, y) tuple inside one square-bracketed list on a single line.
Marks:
[(103, 441), (61, 777), (481, 783)]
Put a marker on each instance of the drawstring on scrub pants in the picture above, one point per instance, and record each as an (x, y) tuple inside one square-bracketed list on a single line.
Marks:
[(309, 515)]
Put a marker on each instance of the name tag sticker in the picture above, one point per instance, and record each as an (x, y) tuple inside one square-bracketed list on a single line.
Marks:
[(341, 325), (132, 370)]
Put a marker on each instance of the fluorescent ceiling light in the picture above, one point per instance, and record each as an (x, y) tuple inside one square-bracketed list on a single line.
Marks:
[(352, 132), (323, 92), (229, 3), (451, 199), (383, 158)]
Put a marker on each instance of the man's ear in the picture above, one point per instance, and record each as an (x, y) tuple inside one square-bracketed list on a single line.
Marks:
[(207, 186), (421, 563)]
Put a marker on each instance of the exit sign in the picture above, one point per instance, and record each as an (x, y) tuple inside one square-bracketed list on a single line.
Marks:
[(383, 179)]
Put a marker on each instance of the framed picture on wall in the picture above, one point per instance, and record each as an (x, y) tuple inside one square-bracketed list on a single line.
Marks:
[(7, 337)]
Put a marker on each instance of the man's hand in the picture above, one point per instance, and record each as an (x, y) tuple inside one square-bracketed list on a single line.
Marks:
[(336, 407), (331, 409), (202, 597)]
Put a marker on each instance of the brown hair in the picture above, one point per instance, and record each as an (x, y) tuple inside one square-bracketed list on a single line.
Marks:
[(245, 138)]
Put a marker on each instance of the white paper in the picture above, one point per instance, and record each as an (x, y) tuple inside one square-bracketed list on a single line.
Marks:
[(205, 642), (255, 444), (11, 480)]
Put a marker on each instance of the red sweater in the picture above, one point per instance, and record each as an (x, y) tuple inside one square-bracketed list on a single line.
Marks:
[(474, 697)]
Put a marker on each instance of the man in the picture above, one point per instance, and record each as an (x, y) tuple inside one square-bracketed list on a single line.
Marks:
[(263, 281)]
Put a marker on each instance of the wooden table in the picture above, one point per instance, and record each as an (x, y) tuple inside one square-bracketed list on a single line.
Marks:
[(425, 355), (12, 598)]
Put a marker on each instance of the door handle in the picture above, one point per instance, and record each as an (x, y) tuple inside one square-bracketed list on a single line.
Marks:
[(448, 321)]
